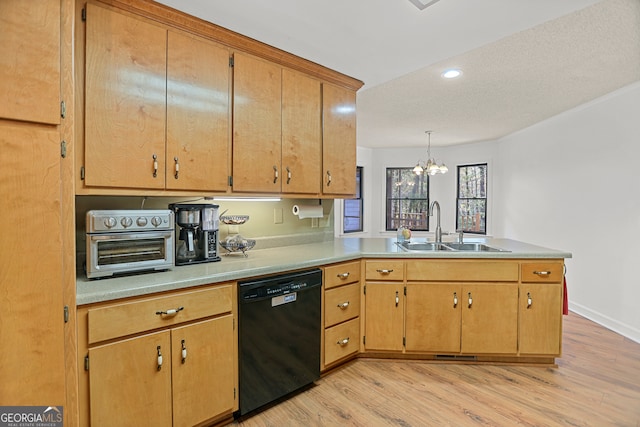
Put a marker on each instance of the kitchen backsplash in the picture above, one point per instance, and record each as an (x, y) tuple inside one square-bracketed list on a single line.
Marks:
[(264, 223)]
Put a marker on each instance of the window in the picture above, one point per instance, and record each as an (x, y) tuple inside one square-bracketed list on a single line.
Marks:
[(407, 200), (352, 212), (471, 210)]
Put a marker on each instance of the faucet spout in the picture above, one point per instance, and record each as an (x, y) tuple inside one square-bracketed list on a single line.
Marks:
[(435, 204)]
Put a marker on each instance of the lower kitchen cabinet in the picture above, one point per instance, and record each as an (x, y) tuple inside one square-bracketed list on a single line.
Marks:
[(169, 360), (433, 320), (341, 313), (541, 295)]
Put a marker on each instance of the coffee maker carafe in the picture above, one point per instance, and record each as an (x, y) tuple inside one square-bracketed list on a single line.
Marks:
[(197, 230)]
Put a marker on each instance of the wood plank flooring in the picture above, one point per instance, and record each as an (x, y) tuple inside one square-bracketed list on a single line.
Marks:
[(596, 383)]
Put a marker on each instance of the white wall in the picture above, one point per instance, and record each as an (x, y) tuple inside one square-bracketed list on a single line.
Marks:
[(572, 183)]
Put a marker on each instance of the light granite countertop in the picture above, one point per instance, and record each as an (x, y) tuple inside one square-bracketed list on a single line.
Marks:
[(282, 259)]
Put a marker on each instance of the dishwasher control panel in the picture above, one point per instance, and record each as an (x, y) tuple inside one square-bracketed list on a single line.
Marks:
[(272, 291)]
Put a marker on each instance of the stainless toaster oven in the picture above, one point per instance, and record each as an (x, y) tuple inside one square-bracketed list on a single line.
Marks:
[(125, 241)]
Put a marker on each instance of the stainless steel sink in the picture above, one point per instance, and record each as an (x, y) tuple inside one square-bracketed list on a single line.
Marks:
[(473, 247), (447, 246), (423, 246)]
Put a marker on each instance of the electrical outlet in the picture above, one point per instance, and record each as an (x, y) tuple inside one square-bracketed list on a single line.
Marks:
[(324, 221), (277, 216), (314, 222)]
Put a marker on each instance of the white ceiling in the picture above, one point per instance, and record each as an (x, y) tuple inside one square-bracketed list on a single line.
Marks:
[(523, 61)]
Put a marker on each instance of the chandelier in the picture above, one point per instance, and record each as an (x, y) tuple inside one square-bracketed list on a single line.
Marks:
[(431, 167)]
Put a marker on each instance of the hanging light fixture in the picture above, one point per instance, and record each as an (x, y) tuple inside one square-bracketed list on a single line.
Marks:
[(431, 167)]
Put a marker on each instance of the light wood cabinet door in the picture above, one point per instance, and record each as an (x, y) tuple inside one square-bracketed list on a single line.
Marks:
[(126, 387), (125, 96), (540, 318), (202, 371), (384, 316), (198, 114), (489, 318), (30, 60), (32, 369), (433, 317), (257, 135), (338, 141), (301, 133)]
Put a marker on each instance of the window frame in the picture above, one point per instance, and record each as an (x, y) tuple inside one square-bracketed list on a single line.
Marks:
[(420, 223), (359, 197), (459, 199)]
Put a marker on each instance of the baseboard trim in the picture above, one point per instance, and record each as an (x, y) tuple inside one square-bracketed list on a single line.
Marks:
[(606, 321)]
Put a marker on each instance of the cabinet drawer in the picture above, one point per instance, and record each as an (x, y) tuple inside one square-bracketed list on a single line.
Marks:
[(341, 304), (384, 270), (341, 274), (127, 318), (542, 272), (341, 341), (463, 271)]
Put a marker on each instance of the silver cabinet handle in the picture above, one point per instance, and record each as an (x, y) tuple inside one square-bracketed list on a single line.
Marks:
[(343, 275), (328, 178), (397, 299), (288, 174), (529, 300), (343, 342), (455, 299), (155, 165), (344, 305), (170, 312), (470, 300), (184, 352), (542, 273), (275, 174), (159, 358), (177, 168), (384, 271)]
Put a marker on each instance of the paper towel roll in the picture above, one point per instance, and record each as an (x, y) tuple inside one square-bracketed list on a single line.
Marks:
[(308, 211)]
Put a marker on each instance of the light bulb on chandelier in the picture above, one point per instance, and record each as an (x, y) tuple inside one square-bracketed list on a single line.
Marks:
[(431, 167)]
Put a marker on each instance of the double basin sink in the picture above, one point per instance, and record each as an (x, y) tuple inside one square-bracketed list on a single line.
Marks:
[(447, 246)]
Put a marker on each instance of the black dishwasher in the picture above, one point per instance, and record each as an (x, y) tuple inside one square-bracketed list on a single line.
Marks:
[(278, 336)]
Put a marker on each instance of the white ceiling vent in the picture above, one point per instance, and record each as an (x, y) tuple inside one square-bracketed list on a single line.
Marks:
[(423, 4)]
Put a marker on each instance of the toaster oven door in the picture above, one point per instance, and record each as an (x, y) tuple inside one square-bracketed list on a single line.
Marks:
[(109, 254)]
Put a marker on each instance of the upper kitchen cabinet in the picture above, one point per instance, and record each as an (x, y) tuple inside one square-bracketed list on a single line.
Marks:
[(301, 133), (276, 129), (198, 75), (156, 106), (338, 141), (125, 99), (30, 61), (257, 117)]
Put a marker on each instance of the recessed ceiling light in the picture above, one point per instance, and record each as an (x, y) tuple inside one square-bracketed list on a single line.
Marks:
[(451, 73)]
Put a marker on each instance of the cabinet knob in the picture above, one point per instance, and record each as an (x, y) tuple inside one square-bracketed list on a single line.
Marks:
[(328, 178), (529, 300), (288, 175), (397, 299), (470, 300), (275, 174), (385, 271), (170, 312), (542, 273), (177, 168), (455, 299), (184, 352), (343, 275)]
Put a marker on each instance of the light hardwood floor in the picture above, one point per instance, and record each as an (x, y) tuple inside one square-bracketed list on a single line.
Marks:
[(596, 383)]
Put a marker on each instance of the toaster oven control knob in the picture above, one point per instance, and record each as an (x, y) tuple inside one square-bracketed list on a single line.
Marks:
[(156, 221), (110, 222), (141, 221), (126, 221)]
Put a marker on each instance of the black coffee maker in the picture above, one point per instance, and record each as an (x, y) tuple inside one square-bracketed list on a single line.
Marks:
[(197, 231)]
